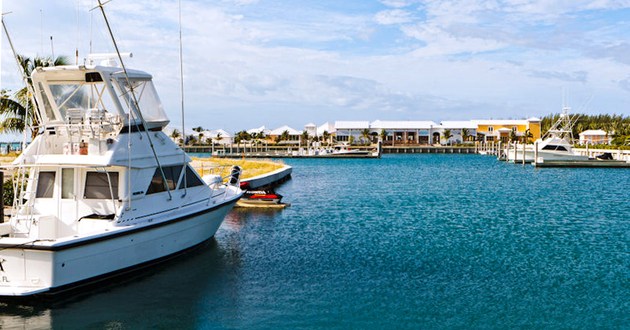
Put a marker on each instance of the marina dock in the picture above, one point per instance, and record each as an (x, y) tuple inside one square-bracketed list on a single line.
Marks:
[(584, 164)]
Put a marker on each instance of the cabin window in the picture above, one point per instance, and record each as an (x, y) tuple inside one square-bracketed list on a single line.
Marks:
[(192, 180), (67, 183), (101, 185), (45, 185), (47, 108), (157, 182), (552, 147)]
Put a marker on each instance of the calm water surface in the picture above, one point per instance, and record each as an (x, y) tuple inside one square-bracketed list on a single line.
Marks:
[(414, 241)]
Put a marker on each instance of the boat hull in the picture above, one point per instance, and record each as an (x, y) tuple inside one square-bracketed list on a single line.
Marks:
[(31, 270)]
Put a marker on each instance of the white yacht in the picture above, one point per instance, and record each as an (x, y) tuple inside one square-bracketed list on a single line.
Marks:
[(555, 145), (104, 189)]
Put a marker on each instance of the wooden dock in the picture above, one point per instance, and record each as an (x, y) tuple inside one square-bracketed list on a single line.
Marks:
[(584, 163)]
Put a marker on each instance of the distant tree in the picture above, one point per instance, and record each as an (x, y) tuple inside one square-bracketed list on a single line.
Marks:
[(285, 136), (447, 135), (528, 136), (383, 135), (304, 137), (465, 134), (326, 136), (18, 113), (198, 129), (365, 135), (513, 136)]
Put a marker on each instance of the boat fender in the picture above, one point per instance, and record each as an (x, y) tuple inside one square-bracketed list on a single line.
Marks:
[(235, 175)]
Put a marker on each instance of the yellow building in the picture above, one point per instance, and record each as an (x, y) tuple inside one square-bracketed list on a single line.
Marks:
[(500, 130)]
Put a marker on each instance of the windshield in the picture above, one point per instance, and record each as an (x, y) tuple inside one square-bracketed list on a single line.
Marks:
[(81, 96), (148, 100)]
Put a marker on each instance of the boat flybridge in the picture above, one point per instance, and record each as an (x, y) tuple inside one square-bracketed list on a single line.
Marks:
[(102, 190)]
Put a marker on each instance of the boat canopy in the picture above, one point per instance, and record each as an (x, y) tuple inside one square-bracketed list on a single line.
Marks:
[(66, 92)]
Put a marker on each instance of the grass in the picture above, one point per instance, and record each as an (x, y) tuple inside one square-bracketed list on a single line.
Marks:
[(251, 168)]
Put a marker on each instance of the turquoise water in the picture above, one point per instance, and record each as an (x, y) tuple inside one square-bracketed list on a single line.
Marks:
[(414, 241)]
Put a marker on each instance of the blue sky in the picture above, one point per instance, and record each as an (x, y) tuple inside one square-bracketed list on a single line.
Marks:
[(249, 63)]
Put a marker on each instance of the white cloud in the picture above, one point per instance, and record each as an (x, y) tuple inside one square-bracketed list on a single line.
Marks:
[(451, 59), (390, 17)]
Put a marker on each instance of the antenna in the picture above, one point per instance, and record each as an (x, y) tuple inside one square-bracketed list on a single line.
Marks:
[(35, 116), (181, 78), (41, 31), (135, 106), (52, 48)]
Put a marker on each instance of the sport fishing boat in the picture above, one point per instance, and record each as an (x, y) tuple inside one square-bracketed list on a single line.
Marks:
[(102, 189), (555, 145)]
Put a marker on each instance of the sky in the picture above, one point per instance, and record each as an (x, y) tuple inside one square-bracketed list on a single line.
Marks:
[(249, 63)]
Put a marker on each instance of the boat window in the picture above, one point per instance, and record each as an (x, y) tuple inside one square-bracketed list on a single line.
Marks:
[(97, 185), (157, 182), (67, 183), (47, 108), (147, 97), (552, 147), (45, 185), (81, 96), (192, 180)]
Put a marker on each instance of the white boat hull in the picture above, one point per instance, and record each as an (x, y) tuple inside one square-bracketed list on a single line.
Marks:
[(37, 269)]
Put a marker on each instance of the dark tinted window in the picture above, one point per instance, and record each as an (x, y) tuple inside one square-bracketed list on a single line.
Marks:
[(157, 182), (192, 180), (45, 185), (552, 147), (97, 185)]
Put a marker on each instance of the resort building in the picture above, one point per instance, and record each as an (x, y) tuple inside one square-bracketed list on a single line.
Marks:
[(350, 131), (595, 136), (284, 135), (218, 136), (500, 130), (460, 132), (405, 132)]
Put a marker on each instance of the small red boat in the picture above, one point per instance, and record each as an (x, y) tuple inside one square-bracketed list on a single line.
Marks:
[(261, 197)]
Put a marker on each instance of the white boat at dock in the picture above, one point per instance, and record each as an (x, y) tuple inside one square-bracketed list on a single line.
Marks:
[(103, 190), (556, 145)]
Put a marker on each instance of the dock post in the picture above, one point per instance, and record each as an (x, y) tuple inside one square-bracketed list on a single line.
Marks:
[(535, 153), (524, 153), (2, 195)]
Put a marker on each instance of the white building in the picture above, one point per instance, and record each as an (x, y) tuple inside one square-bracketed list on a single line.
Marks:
[(457, 130), (293, 138), (595, 136), (346, 129), (405, 132)]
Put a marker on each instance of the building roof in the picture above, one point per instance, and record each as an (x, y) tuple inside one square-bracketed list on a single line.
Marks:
[(594, 132), (352, 125), (310, 125), (258, 130), (325, 127), (215, 132), (280, 130), (382, 124), (458, 124), (500, 122)]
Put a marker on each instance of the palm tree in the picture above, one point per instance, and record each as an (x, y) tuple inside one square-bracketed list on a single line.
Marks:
[(512, 136), (326, 137), (528, 136), (447, 135), (175, 134), (19, 113), (383, 135), (365, 135), (465, 134), (284, 136), (304, 137)]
